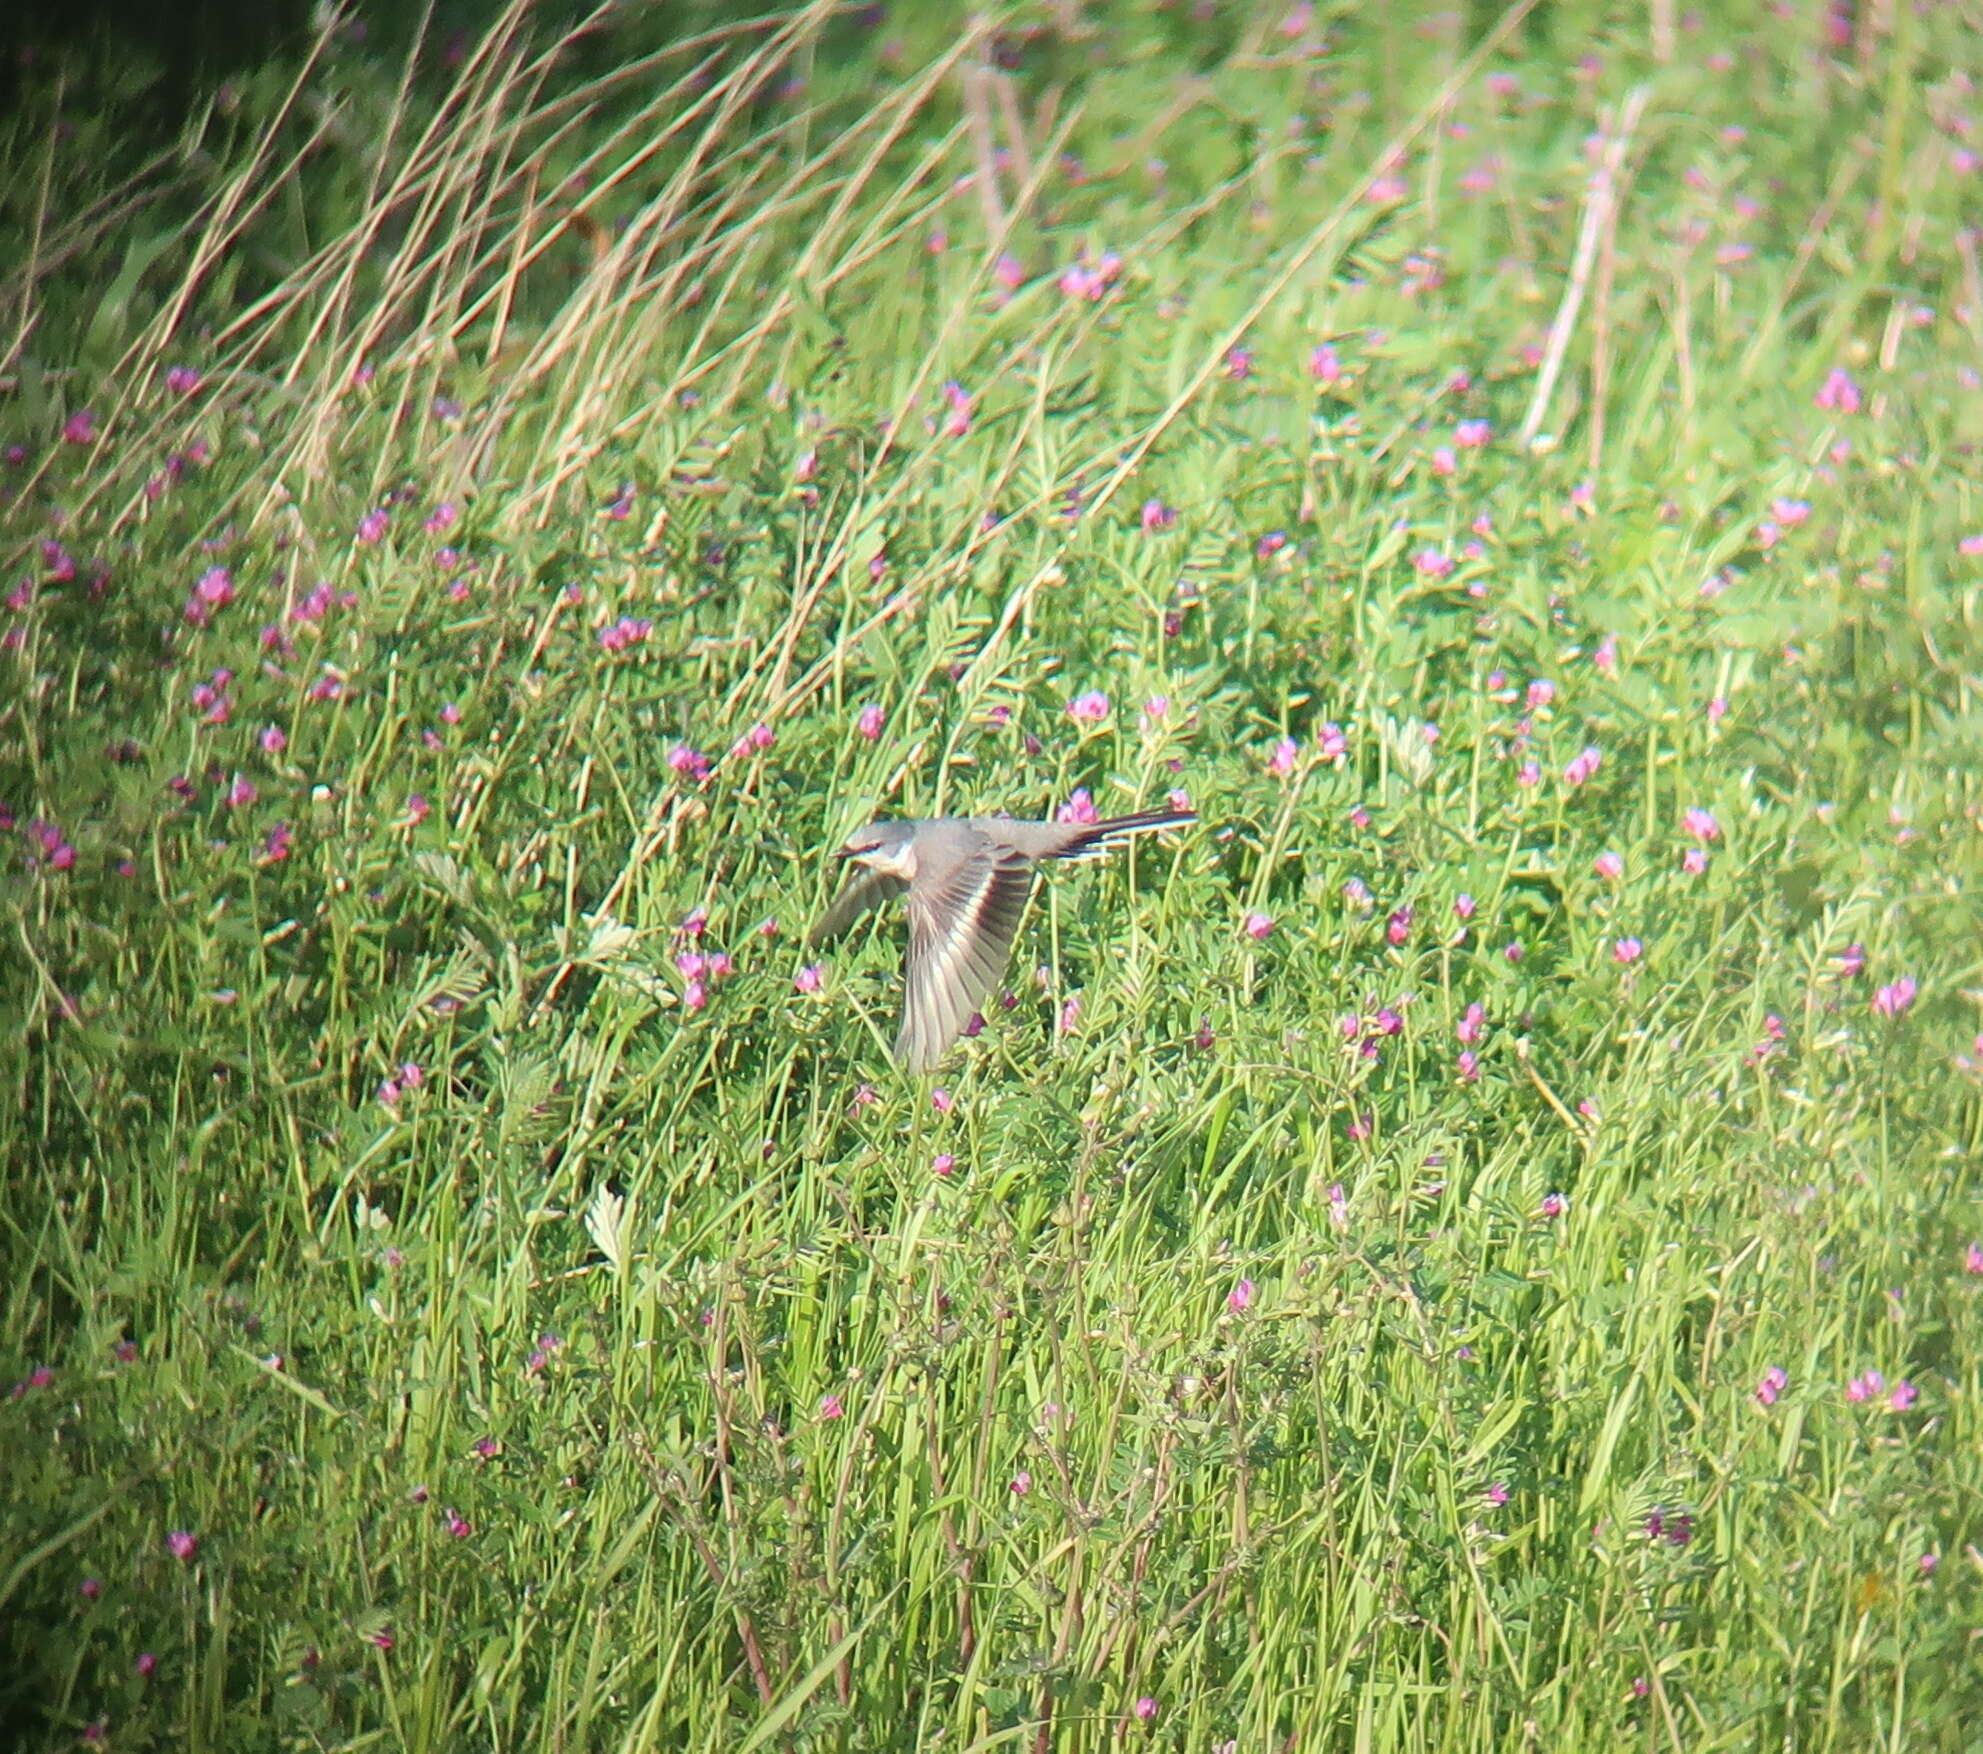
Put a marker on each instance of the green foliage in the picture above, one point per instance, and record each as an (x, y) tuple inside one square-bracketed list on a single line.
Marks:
[(1335, 1302)]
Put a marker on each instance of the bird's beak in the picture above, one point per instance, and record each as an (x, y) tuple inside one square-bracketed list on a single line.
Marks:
[(846, 853)]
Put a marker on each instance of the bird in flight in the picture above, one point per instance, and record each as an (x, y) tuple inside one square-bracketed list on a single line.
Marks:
[(966, 879)]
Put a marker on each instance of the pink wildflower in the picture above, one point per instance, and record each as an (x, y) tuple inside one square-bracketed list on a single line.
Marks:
[(1240, 1298), (688, 761), (1700, 824), (1080, 807), (1089, 279), (958, 422), (1894, 999), (1775, 1381), (755, 741), (1090, 708), (1838, 392), (627, 631)]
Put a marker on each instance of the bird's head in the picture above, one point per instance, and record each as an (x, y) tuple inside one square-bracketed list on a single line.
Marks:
[(887, 847)]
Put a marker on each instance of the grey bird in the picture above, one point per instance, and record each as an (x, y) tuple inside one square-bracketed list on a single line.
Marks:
[(966, 879)]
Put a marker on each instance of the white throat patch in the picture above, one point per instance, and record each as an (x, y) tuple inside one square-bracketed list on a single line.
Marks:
[(901, 863)]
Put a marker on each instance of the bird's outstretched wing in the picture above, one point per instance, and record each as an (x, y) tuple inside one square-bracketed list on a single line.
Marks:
[(960, 936), (862, 890), (1076, 840)]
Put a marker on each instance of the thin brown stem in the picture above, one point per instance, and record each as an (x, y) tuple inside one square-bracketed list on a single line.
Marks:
[(1599, 202)]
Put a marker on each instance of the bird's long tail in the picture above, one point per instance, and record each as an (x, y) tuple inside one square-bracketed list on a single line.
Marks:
[(1099, 837)]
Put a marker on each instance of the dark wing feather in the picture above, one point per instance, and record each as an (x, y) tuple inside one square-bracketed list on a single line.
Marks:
[(862, 890), (960, 939)]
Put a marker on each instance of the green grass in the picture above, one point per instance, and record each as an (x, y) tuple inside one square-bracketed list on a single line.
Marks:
[(629, 1377)]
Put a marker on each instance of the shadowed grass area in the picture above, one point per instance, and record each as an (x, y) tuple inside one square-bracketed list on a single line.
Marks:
[(1475, 1245)]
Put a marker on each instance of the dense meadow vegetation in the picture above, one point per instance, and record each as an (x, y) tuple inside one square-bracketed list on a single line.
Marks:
[(1474, 1244)]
